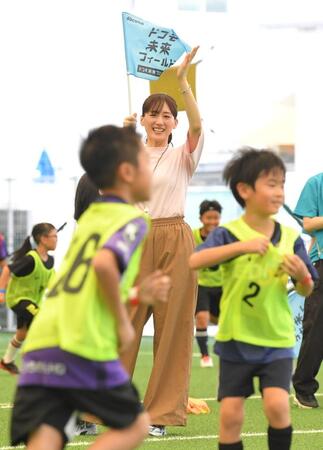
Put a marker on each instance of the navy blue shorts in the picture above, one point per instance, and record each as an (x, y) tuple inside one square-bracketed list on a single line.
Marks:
[(208, 299), (236, 379)]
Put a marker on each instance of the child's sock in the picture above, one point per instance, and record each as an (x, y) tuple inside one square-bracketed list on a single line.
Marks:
[(202, 338), (235, 446), (12, 349), (280, 438)]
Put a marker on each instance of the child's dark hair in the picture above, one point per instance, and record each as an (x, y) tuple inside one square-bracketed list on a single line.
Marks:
[(246, 167), (105, 149), (210, 205), (155, 103), (40, 229)]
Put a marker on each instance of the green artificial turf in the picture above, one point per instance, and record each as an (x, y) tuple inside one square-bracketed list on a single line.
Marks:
[(201, 431)]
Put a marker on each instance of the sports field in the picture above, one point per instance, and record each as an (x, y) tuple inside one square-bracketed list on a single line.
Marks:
[(201, 432)]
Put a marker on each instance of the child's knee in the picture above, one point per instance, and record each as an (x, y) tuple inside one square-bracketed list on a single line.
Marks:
[(232, 416), (277, 412)]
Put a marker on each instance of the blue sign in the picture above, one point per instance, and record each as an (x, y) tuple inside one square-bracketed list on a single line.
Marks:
[(46, 170), (150, 49)]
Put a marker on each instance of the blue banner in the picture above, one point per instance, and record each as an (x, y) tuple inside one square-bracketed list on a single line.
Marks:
[(150, 49)]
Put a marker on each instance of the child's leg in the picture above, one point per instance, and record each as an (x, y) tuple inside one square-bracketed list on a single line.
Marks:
[(201, 322), (25, 311), (276, 407), (45, 437), (15, 344), (231, 420), (125, 438), (202, 318)]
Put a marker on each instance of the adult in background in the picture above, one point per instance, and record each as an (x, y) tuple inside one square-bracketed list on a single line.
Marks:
[(168, 247), (310, 208)]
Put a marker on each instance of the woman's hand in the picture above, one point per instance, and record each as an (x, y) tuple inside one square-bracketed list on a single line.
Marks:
[(130, 121), (154, 288), (183, 68)]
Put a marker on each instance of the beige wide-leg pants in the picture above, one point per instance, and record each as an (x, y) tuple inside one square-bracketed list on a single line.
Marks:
[(168, 247)]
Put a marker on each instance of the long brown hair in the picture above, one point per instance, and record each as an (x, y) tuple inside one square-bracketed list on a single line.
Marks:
[(155, 102)]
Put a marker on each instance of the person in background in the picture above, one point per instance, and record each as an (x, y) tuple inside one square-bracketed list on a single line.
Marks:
[(26, 279), (256, 335), (209, 282), (3, 252), (168, 246), (85, 194), (310, 208)]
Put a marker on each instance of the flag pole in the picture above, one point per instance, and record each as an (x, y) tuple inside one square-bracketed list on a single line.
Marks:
[(129, 94)]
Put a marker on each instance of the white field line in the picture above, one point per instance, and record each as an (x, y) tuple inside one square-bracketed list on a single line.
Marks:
[(207, 399), (183, 438)]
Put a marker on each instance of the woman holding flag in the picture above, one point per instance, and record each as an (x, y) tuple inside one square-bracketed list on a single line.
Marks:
[(167, 248)]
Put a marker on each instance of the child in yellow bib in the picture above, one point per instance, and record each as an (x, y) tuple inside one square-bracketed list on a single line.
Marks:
[(26, 279), (71, 359), (256, 330), (209, 289)]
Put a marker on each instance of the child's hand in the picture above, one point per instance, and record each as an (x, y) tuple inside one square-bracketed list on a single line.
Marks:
[(130, 121), (2, 297), (295, 267), (126, 335), (258, 245), (183, 68), (154, 288)]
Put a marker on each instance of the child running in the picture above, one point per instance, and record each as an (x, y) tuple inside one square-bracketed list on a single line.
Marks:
[(256, 328), (71, 356), (27, 278), (209, 282)]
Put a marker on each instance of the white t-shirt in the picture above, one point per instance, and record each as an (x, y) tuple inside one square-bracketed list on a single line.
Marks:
[(171, 178)]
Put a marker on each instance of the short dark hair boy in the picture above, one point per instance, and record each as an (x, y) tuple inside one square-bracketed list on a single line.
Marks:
[(71, 356), (256, 329)]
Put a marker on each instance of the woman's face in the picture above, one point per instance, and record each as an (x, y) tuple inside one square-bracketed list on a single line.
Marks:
[(158, 125)]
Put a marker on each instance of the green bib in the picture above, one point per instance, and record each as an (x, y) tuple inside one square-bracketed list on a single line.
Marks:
[(75, 315), (30, 287), (207, 277), (254, 303)]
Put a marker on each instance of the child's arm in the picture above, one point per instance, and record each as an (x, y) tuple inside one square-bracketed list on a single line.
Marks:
[(295, 267), (217, 255), (107, 272), (4, 280)]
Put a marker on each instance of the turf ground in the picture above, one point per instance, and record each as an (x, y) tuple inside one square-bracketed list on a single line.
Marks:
[(201, 431)]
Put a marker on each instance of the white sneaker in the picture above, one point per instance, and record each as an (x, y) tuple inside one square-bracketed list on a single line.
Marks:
[(206, 361), (84, 428), (157, 430)]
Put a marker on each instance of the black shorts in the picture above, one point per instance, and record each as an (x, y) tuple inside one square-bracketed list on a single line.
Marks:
[(236, 379), (36, 405), (208, 299), (25, 311)]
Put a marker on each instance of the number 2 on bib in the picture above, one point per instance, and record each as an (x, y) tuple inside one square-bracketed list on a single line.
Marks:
[(255, 289)]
